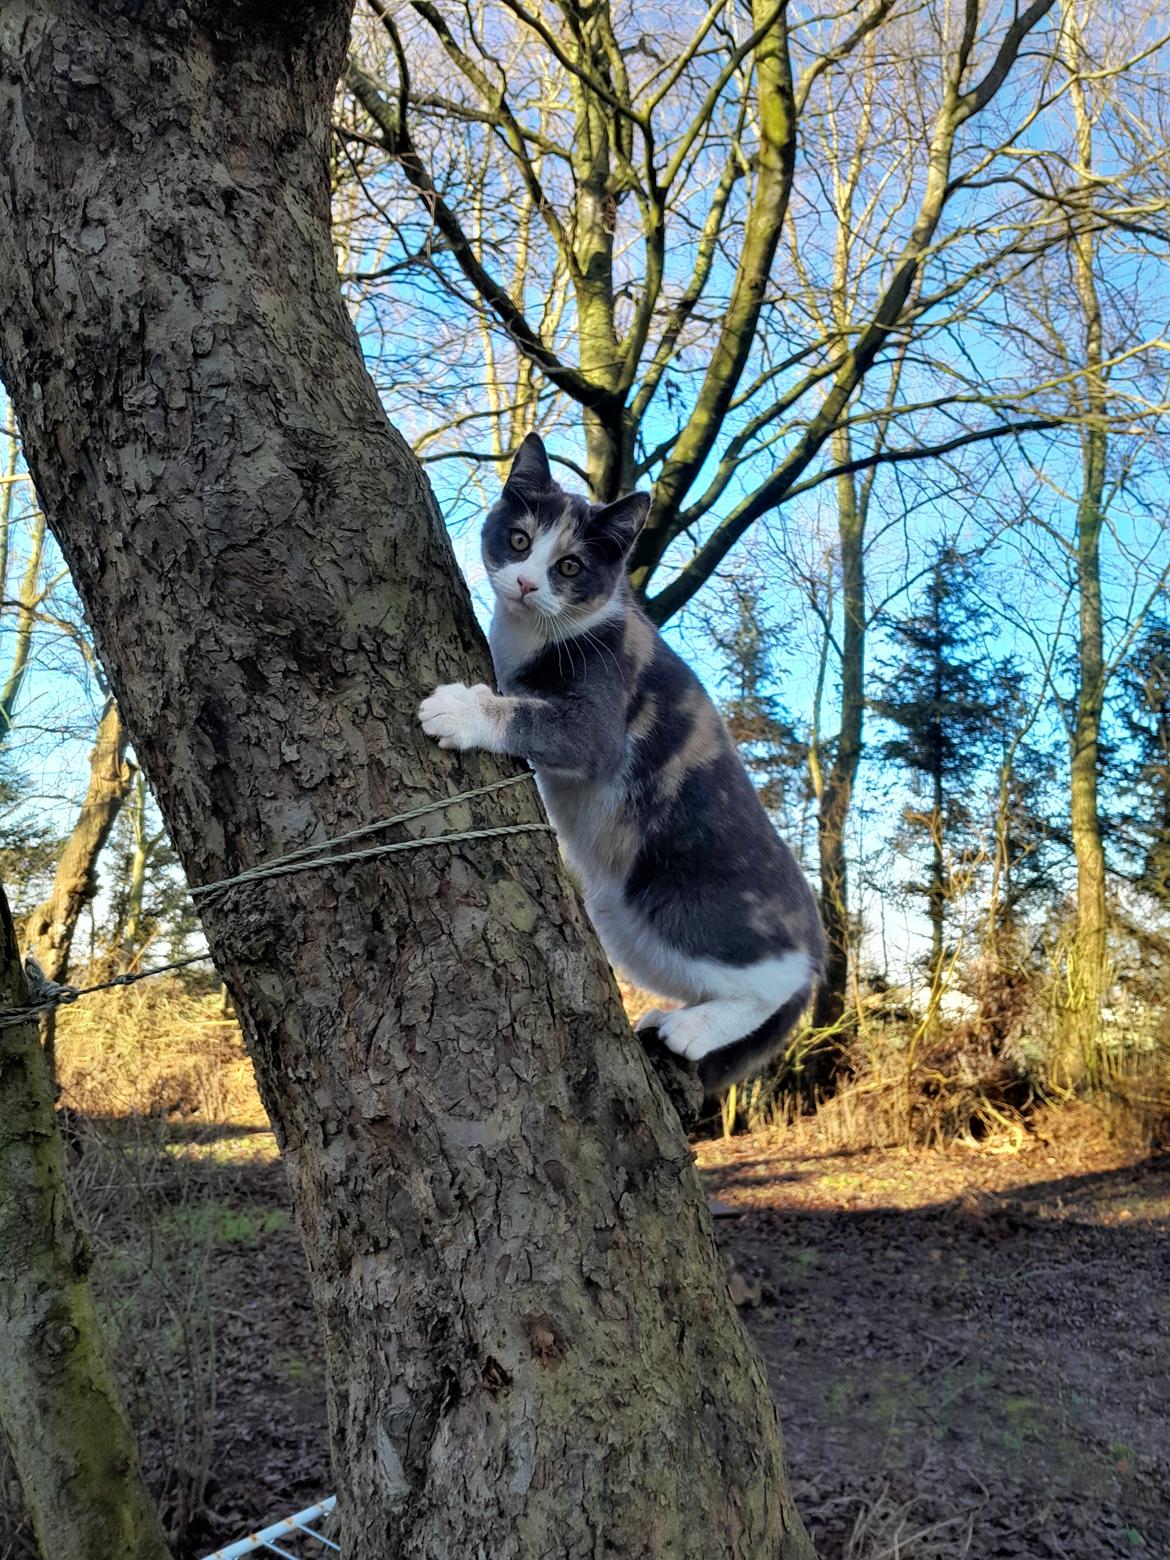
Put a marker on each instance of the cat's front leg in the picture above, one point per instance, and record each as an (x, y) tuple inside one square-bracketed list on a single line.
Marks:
[(463, 717), (572, 737)]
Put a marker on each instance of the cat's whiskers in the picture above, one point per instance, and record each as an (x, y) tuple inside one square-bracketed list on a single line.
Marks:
[(604, 650), (548, 622), (567, 641)]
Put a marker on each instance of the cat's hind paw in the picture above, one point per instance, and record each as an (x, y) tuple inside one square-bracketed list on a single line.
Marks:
[(689, 1033)]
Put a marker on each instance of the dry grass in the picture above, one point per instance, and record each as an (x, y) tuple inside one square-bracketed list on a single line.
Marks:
[(156, 1048), (145, 1073), (907, 1085), (162, 1049), (151, 1213), (886, 1529)]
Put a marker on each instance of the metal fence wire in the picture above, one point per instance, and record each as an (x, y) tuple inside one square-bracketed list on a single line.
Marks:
[(297, 1530)]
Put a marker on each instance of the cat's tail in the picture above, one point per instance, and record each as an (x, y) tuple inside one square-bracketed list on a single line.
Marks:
[(748, 1057)]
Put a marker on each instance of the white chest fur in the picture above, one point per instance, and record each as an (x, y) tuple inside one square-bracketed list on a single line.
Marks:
[(516, 636)]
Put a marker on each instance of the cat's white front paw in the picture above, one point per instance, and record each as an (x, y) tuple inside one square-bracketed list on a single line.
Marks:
[(688, 1032), (455, 714)]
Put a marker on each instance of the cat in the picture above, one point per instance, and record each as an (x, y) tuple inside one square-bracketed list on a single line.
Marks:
[(691, 890)]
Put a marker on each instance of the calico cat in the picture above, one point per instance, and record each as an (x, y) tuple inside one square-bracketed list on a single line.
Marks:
[(689, 887)]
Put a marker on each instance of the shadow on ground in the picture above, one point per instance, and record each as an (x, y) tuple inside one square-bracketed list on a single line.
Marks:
[(975, 1341), (1000, 1354)]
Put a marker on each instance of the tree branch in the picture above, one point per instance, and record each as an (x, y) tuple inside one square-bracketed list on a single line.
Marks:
[(699, 569), (396, 141)]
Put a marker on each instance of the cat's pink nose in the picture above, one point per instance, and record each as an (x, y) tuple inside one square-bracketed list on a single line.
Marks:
[(526, 586)]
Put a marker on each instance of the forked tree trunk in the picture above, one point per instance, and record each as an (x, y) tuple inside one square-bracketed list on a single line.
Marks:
[(60, 1407), (529, 1340)]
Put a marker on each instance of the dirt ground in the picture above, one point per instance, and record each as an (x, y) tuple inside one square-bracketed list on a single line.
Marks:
[(982, 1339), (970, 1352)]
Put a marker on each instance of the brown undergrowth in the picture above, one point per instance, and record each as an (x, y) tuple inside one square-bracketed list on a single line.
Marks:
[(907, 1085), (160, 1047)]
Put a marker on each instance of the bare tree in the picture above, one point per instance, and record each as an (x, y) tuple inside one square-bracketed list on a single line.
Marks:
[(528, 1334), (1092, 321), (750, 244), (660, 177)]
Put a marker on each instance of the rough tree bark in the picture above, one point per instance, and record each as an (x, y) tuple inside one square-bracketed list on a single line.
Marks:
[(530, 1346), (60, 1407)]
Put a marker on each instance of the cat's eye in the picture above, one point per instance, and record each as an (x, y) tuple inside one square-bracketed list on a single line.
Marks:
[(569, 566), (520, 541)]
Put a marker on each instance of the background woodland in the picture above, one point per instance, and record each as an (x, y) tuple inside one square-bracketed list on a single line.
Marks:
[(874, 301)]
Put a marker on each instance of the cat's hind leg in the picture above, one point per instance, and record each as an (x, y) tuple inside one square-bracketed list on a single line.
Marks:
[(737, 1002), (694, 1032)]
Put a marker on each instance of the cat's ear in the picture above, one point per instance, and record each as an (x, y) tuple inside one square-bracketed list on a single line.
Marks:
[(615, 526), (530, 475)]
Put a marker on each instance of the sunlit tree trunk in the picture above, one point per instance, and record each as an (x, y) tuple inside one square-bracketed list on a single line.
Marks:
[(125, 940), (60, 1407), (51, 926), (8, 483), (1088, 962), (837, 791), (1089, 959), (27, 601), (530, 1345)]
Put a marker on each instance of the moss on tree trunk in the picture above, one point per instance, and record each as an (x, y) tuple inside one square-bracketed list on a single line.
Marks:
[(60, 1407)]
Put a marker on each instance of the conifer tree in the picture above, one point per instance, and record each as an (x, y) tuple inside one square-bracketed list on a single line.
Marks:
[(937, 696), (1144, 821), (767, 738)]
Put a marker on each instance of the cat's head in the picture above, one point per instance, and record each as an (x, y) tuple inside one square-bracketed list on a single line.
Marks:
[(550, 553)]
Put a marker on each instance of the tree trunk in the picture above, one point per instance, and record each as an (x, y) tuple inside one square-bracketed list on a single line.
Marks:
[(1088, 972), (124, 941), (1089, 957), (936, 892), (52, 924), (8, 524), (60, 1406), (26, 616), (530, 1345), (837, 794)]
